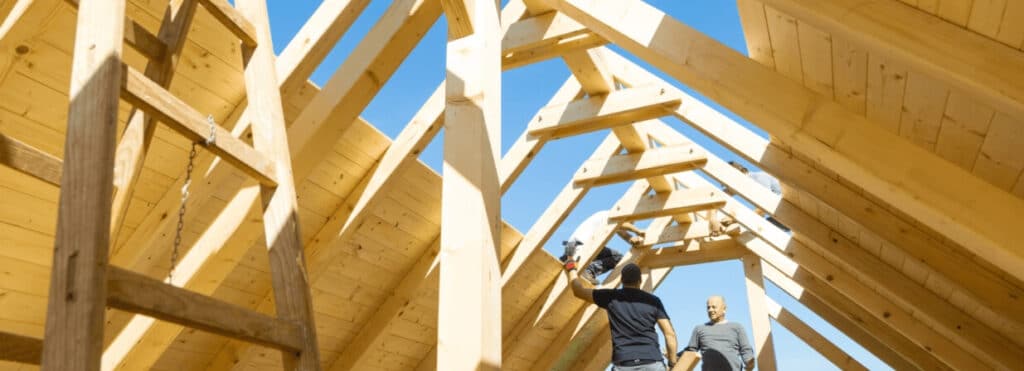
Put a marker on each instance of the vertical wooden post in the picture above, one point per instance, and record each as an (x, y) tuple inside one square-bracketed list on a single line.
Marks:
[(759, 316), (280, 206), (78, 288), (469, 317)]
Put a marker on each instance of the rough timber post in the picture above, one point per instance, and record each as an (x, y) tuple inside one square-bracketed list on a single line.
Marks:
[(280, 206), (78, 288), (760, 322), (469, 303)]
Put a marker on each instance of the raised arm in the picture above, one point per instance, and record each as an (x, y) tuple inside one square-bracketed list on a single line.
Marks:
[(579, 289), (623, 232)]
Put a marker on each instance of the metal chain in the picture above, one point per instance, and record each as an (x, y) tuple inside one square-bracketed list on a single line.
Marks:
[(185, 193)]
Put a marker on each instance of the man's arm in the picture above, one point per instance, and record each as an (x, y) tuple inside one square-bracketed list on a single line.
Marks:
[(670, 340), (578, 288), (626, 227), (746, 351)]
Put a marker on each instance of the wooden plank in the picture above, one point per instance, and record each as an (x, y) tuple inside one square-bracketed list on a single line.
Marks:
[(157, 101), (986, 15), (75, 309), (964, 330), (460, 16), (21, 349), (850, 74), (137, 37), (858, 330), (694, 252), (30, 161), (980, 280), (923, 105), (965, 60), (755, 31), (1002, 153), (669, 233), (956, 11), (970, 212), (292, 298), (136, 293), (317, 37), (562, 47), (650, 163), (234, 20), (812, 338), (676, 202), (1011, 32), (964, 127), (764, 346), (785, 43), (602, 112), (469, 299), (542, 30), (816, 59), (887, 83)]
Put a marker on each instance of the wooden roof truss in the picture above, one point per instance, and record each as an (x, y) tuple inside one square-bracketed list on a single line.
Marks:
[(899, 156)]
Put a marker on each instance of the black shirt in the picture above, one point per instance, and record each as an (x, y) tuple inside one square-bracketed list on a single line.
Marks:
[(632, 314)]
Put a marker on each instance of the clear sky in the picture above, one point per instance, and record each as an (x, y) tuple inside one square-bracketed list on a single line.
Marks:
[(524, 91)]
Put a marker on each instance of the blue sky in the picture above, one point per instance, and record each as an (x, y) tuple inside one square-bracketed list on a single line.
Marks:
[(524, 91)]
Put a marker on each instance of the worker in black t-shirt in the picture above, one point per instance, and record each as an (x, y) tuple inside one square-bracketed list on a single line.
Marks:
[(632, 314)]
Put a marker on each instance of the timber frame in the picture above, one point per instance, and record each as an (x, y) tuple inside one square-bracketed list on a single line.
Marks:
[(313, 241)]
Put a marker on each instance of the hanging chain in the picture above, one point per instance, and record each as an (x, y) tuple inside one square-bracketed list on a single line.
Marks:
[(185, 193)]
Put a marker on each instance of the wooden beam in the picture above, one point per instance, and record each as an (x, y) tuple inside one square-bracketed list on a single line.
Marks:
[(764, 346), (543, 52), (469, 298), (676, 232), (73, 337), (855, 322), (978, 278), (812, 338), (136, 293), (936, 311), (676, 202), (650, 163), (137, 37), (292, 298), (527, 146), (20, 349), (196, 271), (182, 118), (140, 128), (234, 20), (969, 61), (694, 252), (460, 16), (552, 217), (539, 31), (973, 213), (29, 160), (602, 112)]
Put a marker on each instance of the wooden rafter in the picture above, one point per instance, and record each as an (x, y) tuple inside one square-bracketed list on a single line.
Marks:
[(21, 349), (812, 338), (28, 160), (634, 166), (764, 345), (991, 290)]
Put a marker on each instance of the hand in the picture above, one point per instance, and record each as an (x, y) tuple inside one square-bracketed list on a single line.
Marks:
[(636, 240), (570, 249)]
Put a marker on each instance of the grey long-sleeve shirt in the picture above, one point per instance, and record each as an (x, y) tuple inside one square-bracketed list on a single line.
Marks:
[(722, 346)]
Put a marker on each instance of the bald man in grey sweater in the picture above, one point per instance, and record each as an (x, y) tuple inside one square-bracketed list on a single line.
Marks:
[(722, 344)]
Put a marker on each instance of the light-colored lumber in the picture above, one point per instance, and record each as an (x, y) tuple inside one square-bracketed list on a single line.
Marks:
[(693, 251), (967, 60), (140, 128), (28, 160), (854, 321), (980, 280), (157, 101), (535, 32), (602, 112), (764, 345), (234, 20), (633, 166), (137, 37), (292, 297), (755, 31), (328, 23), (136, 293), (543, 52), (971, 212), (460, 15), (469, 298), (553, 215), (664, 234), (21, 349), (812, 338), (73, 337), (527, 146), (675, 202)]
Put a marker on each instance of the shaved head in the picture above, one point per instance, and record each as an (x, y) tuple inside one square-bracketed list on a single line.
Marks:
[(716, 308)]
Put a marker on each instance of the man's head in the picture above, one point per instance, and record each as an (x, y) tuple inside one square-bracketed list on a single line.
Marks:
[(716, 308), (741, 168), (631, 275)]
